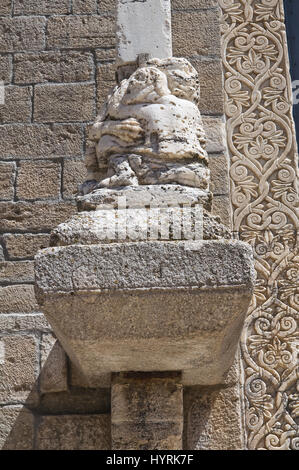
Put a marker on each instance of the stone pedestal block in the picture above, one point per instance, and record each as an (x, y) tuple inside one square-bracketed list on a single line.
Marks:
[(147, 411), (148, 306)]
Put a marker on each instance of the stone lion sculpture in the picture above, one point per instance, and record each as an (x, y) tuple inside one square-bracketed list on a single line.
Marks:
[(150, 130)]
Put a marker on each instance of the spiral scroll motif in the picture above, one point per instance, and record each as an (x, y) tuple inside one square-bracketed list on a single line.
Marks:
[(262, 146)]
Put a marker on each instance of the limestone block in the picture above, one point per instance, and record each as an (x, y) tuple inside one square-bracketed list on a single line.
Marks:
[(5, 68), (53, 376), (162, 395), (163, 195), (18, 299), (65, 66), (76, 401), (203, 263), (211, 89), (38, 180), (74, 172), (214, 419), (159, 143), (17, 106), (221, 206), (75, 32), (15, 323), (7, 178), (147, 411), (105, 81), (107, 5), (218, 165), (231, 378), (216, 135), (16, 271), (196, 33), (196, 4), (18, 369), (64, 103), (157, 276), (74, 432), (78, 379), (41, 7), (16, 428), (5, 7), (36, 140), (84, 6), (135, 32), (25, 245), (102, 55), (34, 215), (22, 33)]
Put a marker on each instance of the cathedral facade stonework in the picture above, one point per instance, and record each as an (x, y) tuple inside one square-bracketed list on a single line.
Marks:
[(58, 65)]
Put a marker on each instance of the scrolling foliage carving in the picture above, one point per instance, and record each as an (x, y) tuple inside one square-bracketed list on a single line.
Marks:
[(262, 145)]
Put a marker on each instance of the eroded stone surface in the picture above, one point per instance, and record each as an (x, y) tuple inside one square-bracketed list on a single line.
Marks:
[(143, 265), (139, 224), (214, 419), (150, 129), (16, 428), (53, 376), (18, 369), (147, 411), (121, 225), (143, 196), (180, 305), (74, 432)]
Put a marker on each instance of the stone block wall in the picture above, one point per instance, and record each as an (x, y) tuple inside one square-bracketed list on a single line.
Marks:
[(57, 62)]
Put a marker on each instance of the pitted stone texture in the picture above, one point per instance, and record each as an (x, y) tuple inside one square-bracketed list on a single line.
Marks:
[(25, 245), (37, 140), (78, 379), (53, 376), (7, 178), (16, 271), (150, 130), (35, 216), (22, 33), (143, 265), (135, 32), (17, 106), (213, 229), (38, 180), (18, 299), (18, 369), (214, 419), (41, 7), (147, 411), (16, 428), (80, 31), (76, 401), (130, 225), (74, 432), (64, 102), (117, 292), (15, 323), (216, 134), (144, 196), (51, 66), (112, 226)]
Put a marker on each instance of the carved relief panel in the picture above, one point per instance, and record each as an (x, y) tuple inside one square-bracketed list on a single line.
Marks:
[(262, 145)]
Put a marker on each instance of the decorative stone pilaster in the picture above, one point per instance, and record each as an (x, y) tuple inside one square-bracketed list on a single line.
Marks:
[(147, 411)]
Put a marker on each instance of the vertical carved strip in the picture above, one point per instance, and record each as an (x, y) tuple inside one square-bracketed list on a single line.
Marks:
[(262, 146)]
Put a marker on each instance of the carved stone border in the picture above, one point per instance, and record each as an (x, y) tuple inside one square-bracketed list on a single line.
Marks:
[(262, 145)]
